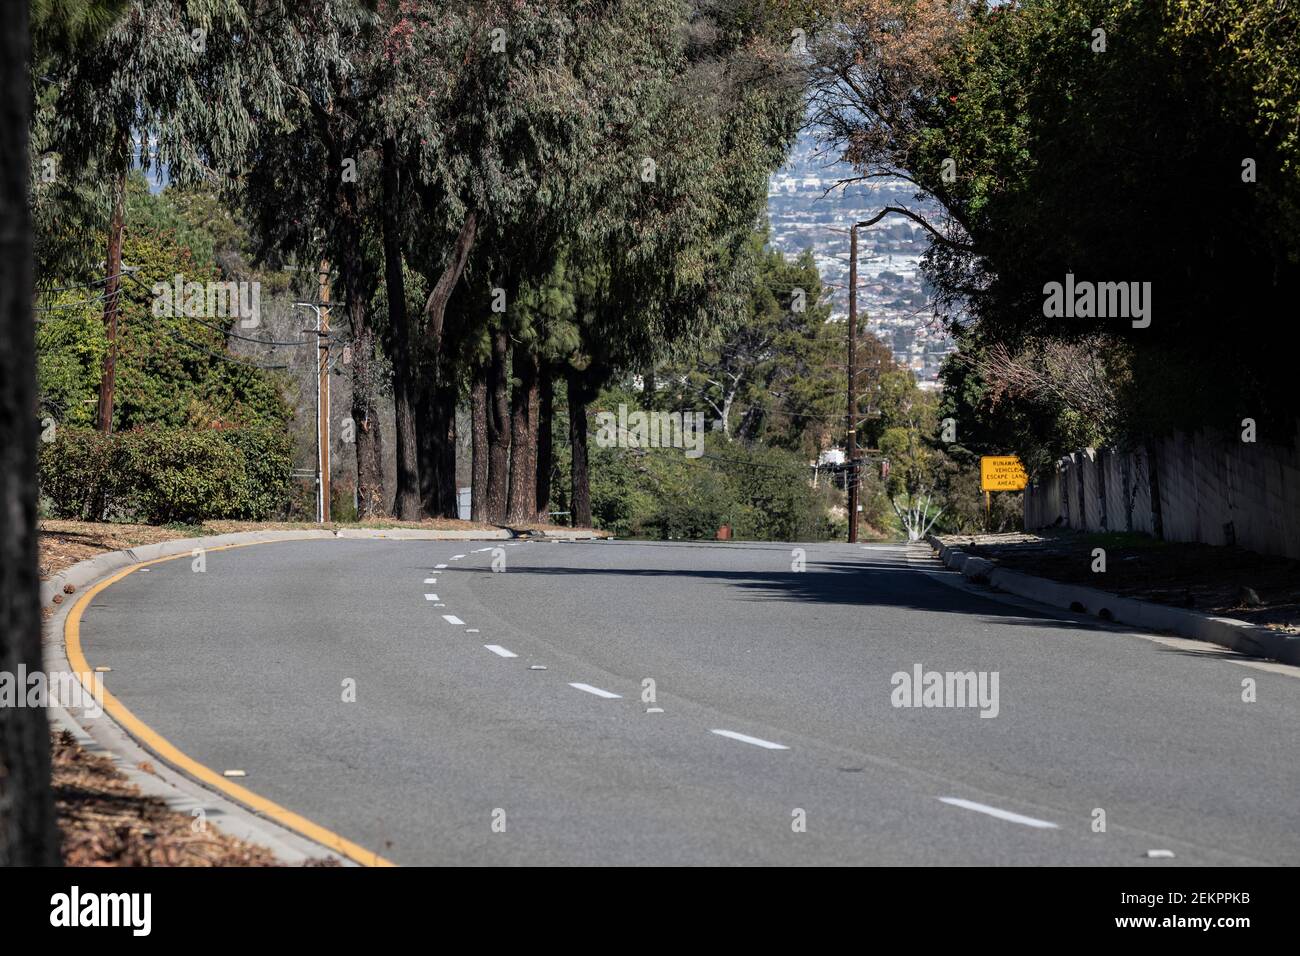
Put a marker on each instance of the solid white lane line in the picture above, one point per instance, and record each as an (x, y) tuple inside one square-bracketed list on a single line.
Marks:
[(597, 691), (452, 619), (756, 741), (439, 567), (1000, 814), (500, 651), (431, 597)]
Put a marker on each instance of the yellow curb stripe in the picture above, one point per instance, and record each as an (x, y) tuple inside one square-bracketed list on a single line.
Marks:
[(168, 752)]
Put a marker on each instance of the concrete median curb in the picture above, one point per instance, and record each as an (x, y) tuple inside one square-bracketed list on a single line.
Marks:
[(1241, 636)]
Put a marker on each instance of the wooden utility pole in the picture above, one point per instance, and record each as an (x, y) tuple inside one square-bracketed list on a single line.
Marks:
[(323, 389), (852, 402)]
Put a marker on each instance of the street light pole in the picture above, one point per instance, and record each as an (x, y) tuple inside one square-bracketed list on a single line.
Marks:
[(322, 398)]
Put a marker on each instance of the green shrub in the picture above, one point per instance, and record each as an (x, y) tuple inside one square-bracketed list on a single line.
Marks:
[(167, 475), (268, 464), (78, 473), (182, 475)]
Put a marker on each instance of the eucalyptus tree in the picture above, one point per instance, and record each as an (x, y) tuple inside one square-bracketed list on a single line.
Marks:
[(673, 259), (163, 87), (311, 182)]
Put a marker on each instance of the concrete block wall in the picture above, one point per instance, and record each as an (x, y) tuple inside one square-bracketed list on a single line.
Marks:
[(1212, 490)]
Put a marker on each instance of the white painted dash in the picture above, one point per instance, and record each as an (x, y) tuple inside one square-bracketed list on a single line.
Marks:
[(457, 557), (1000, 814), (439, 567), (756, 741), (431, 597), (452, 619), (430, 580), (597, 691), (500, 651)]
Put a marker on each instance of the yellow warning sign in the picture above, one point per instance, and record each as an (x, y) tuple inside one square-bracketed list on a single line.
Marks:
[(1002, 473)]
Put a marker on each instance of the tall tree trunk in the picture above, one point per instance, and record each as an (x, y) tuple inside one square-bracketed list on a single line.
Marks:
[(498, 427), (437, 443), (448, 494), (545, 451), (28, 836), (578, 398), (429, 429), (113, 283), (479, 445), (365, 418), (406, 501), (522, 507)]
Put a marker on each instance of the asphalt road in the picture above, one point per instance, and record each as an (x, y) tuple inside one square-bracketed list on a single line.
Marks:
[(454, 753)]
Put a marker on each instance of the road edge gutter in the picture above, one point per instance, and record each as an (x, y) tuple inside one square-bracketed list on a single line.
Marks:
[(1243, 637)]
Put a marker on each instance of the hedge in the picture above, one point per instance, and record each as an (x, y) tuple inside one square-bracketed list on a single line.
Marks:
[(164, 475)]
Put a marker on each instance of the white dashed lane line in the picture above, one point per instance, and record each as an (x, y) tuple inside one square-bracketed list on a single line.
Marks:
[(431, 597), (439, 567), (756, 741), (500, 651), (1000, 814), (597, 691), (430, 580), (452, 619), (457, 557)]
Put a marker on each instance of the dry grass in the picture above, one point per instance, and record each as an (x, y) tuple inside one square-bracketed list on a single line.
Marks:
[(106, 821)]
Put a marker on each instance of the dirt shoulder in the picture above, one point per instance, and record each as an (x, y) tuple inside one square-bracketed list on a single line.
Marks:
[(105, 821), (1231, 582), (64, 543)]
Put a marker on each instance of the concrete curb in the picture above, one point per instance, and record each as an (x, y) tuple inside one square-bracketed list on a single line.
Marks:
[(417, 534), (1240, 636)]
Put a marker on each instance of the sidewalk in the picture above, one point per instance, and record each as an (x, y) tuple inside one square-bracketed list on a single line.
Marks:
[(1227, 582)]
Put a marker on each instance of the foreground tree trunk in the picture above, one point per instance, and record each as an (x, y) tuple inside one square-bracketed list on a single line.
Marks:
[(28, 836), (522, 508), (479, 445), (545, 440), (406, 500), (578, 398), (498, 385)]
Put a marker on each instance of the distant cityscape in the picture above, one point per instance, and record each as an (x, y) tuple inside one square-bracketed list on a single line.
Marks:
[(806, 213)]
